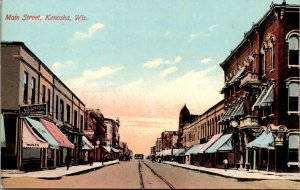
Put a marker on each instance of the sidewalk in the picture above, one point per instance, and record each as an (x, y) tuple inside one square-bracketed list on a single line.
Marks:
[(58, 172), (240, 174)]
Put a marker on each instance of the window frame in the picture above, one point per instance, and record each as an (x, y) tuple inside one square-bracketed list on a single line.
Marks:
[(263, 52), (33, 90), (291, 34), (289, 97), (25, 87)]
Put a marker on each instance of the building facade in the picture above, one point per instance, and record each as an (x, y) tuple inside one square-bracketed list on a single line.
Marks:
[(27, 81), (95, 131), (261, 92)]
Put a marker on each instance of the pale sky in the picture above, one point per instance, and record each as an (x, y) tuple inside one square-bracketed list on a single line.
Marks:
[(137, 60)]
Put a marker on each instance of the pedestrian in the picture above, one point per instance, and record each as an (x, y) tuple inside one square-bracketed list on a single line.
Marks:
[(225, 161), (68, 161), (91, 160)]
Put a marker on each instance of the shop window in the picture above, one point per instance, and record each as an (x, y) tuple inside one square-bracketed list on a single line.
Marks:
[(33, 86), (293, 148), (25, 87), (293, 92)]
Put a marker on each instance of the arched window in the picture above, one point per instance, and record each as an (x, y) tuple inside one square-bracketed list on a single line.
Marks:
[(294, 50), (293, 97), (292, 38), (263, 58)]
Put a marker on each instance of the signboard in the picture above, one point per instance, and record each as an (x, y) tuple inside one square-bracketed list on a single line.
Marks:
[(36, 110), (88, 132)]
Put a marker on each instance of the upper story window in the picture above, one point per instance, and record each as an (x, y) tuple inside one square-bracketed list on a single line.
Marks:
[(61, 110), (25, 87), (293, 96), (49, 100), (33, 85), (56, 107), (263, 51), (43, 93), (271, 43), (293, 48), (68, 113), (81, 122), (75, 118)]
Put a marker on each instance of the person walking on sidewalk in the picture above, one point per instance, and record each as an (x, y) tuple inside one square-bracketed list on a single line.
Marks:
[(91, 160), (68, 161), (225, 161)]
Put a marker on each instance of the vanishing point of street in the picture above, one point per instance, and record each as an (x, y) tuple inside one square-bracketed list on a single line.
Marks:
[(144, 174)]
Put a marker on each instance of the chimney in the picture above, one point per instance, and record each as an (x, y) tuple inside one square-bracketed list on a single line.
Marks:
[(283, 2)]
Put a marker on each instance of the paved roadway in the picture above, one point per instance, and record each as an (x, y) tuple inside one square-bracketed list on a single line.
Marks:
[(132, 175)]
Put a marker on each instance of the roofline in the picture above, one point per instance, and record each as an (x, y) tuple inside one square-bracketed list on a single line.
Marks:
[(22, 44), (258, 24)]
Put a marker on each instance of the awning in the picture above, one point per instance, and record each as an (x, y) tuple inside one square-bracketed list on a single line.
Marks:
[(2, 131), (175, 150), (114, 149), (107, 148), (266, 98), (239, 111), (294, 141), (194, 149), (180, 152), (220, 142), (86, 144), (238, 74), (210, 142), (167, 152), (44, 133), (31, 140), (57, 134), (158, 154), (265, 140)]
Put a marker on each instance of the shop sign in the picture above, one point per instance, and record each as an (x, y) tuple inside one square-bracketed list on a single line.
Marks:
[(36, 110)]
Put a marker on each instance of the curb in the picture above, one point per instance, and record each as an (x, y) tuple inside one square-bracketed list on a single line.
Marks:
[(228, 176)]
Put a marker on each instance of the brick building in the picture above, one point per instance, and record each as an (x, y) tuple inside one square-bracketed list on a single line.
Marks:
[(261, 92)]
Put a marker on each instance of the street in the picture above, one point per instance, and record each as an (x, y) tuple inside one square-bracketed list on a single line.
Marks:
[(146, 174)]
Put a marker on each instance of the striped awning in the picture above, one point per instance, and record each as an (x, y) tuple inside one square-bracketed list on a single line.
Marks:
[(86, 144), (57, 134), (219, 143), (44, 133), (30, 139)]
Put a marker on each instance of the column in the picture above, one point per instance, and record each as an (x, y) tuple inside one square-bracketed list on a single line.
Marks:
[(247, 155), (54, 158), (241, 153), (254, 159)]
